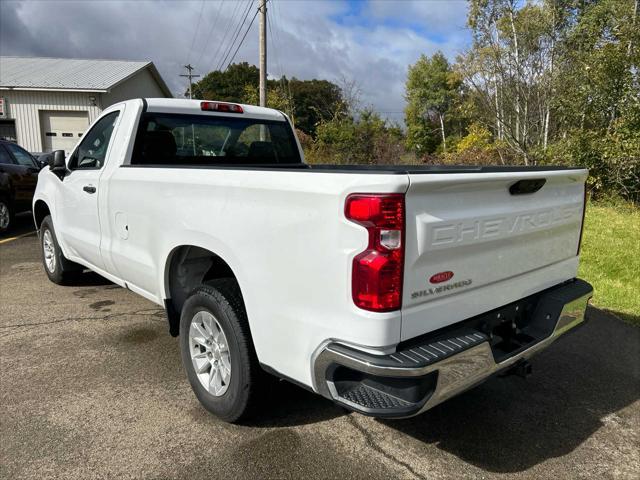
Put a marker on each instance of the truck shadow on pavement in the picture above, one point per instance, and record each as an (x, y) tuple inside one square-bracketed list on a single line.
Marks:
[(86, 278), (288, 405), (511, 424)]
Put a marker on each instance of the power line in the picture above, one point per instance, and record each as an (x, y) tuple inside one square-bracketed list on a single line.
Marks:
[(233, 25), (226, 32), (234, 34), (277, 25), (195, 33), (243, 37), (211, 27), (275, 41), (237, 32)]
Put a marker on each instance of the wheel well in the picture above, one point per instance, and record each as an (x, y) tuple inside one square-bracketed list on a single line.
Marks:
[(188, 267), (40, 211)]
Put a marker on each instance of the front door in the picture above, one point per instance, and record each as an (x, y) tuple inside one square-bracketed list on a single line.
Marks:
[(79, 221)]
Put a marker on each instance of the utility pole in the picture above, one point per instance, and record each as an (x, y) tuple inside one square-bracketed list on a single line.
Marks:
[(262, 7), (190, 76)]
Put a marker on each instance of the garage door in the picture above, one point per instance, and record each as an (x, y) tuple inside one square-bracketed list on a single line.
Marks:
[(62, 130)]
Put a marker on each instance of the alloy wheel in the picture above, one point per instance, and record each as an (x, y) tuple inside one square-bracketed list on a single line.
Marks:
[(209, 352), (49, 251)]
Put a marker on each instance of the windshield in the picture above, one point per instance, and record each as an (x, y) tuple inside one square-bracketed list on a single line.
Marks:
[(176, 139)]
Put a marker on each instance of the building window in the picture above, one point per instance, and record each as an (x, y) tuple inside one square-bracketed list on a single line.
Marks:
[(8, 130)]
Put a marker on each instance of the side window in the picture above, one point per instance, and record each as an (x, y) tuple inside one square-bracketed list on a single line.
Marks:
[(22, 156), (92, 151), (4, 156)]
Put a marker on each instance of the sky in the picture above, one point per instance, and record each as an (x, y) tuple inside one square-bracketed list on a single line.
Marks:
[(371, 43)]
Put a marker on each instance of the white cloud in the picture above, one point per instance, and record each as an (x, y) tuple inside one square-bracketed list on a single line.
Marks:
[(436, 16)]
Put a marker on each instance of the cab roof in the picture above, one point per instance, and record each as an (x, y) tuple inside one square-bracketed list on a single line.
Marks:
[(193, 107)]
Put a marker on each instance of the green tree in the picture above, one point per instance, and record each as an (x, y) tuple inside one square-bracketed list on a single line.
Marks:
[(557, 81), (315, 101), (432, 88), (598, 103), (277, 97), (307, 102), (227, 86), (601, 58), (511, 67)]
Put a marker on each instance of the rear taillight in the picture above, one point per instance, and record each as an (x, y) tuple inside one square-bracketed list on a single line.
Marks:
[(377, 271), (584, 211)]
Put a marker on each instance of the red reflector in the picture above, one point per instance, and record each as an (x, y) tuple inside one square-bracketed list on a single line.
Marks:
[(378, 270), (221, 107), (441, 277)]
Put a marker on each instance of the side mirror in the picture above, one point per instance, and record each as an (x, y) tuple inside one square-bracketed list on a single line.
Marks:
[(56, 163), (56, 160)]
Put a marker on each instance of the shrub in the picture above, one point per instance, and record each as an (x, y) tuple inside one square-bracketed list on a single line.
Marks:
[(478, 148), (366, 139), (613, 160)]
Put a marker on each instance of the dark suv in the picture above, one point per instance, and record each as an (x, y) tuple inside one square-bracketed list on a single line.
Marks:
[(18, 178)]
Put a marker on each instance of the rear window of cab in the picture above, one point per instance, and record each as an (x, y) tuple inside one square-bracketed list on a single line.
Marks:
[(178, 139)]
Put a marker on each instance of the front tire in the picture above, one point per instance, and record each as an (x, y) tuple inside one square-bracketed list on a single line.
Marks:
[(217, 350), (57, 267)]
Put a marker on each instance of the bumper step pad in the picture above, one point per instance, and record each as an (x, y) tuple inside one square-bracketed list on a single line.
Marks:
[(371, 398), (437, 350), (422, 354)]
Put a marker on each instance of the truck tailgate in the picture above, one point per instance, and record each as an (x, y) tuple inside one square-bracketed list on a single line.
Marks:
[(473, 245)]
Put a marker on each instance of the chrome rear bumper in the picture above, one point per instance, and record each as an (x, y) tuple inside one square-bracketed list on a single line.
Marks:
[(446, 366)]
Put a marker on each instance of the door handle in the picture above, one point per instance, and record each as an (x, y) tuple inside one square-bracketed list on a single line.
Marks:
[(89, 189)]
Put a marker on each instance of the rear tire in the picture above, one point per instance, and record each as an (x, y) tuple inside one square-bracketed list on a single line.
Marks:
[(217, 351), (57, 267), (7, 216)]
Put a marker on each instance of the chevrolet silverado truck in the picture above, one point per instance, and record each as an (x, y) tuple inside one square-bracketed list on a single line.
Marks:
[(386, 289)]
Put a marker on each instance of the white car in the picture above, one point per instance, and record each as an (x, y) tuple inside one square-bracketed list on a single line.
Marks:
[(386, 289)]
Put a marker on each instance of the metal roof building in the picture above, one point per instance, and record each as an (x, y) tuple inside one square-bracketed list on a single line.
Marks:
[(47, 103)]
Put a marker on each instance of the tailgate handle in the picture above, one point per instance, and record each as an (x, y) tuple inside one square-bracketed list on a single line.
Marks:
[(527, 186)]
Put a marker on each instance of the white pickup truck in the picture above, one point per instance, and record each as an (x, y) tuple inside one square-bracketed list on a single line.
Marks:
[(385, 289)]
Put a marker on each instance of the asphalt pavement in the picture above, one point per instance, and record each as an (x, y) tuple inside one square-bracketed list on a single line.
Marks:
[(92, 386)]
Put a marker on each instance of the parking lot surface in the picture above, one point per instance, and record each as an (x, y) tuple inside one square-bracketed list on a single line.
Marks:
[(91, 386)]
